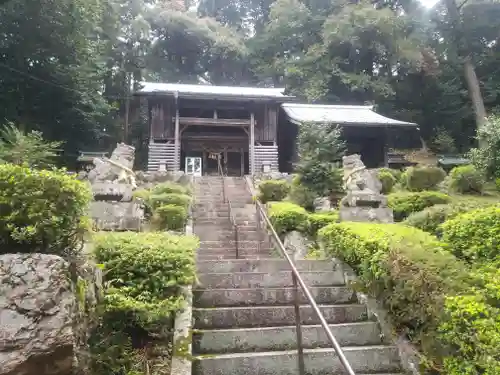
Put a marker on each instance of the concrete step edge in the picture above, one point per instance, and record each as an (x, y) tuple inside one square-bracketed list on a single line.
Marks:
[(334, 305)]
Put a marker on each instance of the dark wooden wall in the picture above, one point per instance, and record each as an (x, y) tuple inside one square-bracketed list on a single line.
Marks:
[(162, 110)]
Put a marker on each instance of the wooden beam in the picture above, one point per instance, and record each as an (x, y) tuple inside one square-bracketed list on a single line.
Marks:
[(252, 143), (202, 121)]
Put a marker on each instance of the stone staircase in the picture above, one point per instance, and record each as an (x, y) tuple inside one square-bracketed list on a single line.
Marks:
[(244, 316)]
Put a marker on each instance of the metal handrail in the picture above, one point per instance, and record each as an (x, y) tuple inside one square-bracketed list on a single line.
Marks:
[(230, 206), (298, 281)]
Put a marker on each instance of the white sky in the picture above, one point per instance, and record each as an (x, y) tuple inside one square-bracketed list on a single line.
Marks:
[(429, 3)]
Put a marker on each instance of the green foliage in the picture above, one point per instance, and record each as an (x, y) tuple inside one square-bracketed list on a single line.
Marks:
[(302, 195), (287, 217), (157, 200), (387, 179), (144, 275), (443, 142), (170, 217), (407, 269), (474, 235), (273, 190), (41, 211), (405, 204), (466, 179), (430, 219), (318, 220), (170, 188), (423, 178), (472, 325), (486, 159), (320, 150), (28, 149)]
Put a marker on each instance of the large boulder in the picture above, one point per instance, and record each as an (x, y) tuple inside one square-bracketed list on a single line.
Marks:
[(45, 313)]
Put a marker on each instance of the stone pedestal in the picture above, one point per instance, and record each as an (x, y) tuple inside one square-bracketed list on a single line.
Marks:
[(117, 216), (366, 214)]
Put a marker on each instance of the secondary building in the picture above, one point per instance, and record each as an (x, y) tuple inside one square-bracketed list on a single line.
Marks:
[(249, 130)]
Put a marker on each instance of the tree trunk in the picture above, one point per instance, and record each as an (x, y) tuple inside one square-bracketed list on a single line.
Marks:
[(475, 96), (461, 50)]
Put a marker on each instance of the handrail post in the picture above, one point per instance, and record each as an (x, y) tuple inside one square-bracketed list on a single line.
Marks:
[(298, 326), (236, 240)]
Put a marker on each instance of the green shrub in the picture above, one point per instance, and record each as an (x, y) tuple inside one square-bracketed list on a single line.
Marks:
[(430, 219), (472, 325), (287, 217), (318, 220), (41, 211), (169, 198), (302, 195), (170, 188), (405, 268), (145, 273), (170, 217), (474, 235), (423, 178), (497, 183), (273, 190), (387, 179), (466, 179), (405, 204)]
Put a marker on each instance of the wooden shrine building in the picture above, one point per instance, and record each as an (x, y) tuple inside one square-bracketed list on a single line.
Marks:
[(251, 130)]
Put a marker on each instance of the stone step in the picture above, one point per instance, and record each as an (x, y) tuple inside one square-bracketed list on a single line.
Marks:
[(217, 258), (247, 280), (270, 296), (265, 265), (215, 235), (232, 251), (270, 316), (283, 338), (242, 244), (365, 360)]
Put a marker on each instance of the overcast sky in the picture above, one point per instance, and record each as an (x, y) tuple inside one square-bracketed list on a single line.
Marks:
[(429, 3)]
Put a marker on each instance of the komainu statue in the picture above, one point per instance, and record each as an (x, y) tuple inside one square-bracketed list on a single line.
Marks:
[(363, 200)]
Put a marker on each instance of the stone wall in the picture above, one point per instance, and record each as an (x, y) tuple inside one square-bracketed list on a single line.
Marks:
[(46, 313)]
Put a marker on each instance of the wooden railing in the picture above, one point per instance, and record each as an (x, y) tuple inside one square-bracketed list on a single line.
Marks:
[(261, 216)]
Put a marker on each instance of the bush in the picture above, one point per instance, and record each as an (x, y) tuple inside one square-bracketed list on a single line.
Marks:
[(145, 273), (181, 200), (423, 178), (409, 270), (287, 217), (318, 220), (273, 190), (387, 179), (430, 219), (41, 211), (302, 195), (472, 325), (474, 235), (405, 204), (170, 217), (170, 188), (466, 179)]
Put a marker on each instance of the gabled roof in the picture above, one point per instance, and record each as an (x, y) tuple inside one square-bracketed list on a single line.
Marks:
[(210, 91), (339, 114)]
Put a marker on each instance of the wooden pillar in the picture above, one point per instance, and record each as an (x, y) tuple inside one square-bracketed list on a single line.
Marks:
[(242, 161), (386, 147), (205, 161), (251, 147), (177, 156)]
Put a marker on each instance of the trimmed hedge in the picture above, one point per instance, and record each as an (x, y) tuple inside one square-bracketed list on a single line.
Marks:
[(474, 235), (170, 188), (466, 179), (411, 272), (405, 204), (170, 217), (41, 211), (158, 200), (287, 217), (387, 179), (318, 220), (273, 190), (423, 178), (145, 273), (301, 194), (431, 218)]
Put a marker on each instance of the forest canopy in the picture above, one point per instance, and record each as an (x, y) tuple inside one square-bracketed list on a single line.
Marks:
[(68, 67)]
